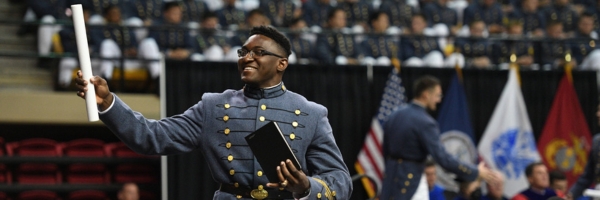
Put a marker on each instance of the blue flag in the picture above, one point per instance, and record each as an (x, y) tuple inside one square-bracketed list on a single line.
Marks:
[(456, 132)]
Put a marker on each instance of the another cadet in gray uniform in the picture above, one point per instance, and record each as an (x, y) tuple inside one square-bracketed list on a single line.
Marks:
[(410, 135), (591, 174), (218, 124)]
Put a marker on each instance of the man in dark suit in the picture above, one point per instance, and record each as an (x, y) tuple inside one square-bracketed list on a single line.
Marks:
[(539, 184), (410, 136)]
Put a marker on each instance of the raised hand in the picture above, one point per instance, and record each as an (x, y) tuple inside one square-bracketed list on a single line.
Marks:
[(103, 96)]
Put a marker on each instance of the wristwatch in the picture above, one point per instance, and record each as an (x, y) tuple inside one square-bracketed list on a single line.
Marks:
[(298, 196)]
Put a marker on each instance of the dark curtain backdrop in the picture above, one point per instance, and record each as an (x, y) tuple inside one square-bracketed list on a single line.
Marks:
[(352, 99)]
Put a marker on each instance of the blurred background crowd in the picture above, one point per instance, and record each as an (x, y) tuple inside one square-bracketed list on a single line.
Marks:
[(541, 34)]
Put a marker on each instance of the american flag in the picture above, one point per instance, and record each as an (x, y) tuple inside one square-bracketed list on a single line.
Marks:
[(370, 160)]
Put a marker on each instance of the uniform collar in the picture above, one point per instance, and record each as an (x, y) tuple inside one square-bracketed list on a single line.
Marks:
[(265, 93)]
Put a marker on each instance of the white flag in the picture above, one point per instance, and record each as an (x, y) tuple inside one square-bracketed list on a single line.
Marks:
[(508, 144)]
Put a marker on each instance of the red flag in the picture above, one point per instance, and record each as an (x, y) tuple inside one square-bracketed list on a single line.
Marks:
[(566, 140)]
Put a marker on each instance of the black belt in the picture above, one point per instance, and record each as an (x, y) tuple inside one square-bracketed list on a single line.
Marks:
[(273, 193)]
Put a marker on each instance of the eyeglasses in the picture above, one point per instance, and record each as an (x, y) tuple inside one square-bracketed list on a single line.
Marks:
[(256, 52)]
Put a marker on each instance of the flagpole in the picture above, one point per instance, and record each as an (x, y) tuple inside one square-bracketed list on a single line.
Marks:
[(569, 67), (515, 66)]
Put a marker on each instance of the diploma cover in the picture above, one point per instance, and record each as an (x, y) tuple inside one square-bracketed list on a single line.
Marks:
[(271, 148)]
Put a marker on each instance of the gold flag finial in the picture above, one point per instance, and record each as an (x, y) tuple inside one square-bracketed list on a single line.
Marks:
[(513, 64), (568, 67)]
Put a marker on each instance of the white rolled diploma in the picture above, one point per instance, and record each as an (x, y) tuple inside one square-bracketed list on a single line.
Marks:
[(84, 61)]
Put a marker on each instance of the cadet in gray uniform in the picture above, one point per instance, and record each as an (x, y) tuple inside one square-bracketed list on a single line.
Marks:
[(410, 135), (591, 174), (218, 124)]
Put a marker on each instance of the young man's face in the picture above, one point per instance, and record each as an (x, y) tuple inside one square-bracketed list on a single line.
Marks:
[(338, 20), (434, 96), (261, 71), (430, 174), (418, 24), (381, 24), (539, 177), (173, 15), (560, 185)]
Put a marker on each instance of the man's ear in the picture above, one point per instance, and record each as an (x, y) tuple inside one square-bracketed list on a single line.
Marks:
[(282, 65)]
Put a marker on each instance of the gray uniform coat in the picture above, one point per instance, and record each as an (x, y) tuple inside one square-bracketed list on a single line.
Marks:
[(410, 135), (218, 124), (592, 170)]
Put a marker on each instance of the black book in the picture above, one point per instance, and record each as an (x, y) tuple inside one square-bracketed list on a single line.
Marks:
[(270, 148)]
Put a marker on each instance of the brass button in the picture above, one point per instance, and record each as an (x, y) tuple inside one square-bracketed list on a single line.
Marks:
[(333, 193), (410, 175), (230, 158), (283, 88), (228, 145), (261, 118), (238, 196), (292, 136), (295, 124), (259, 173), (227, 131), (263, 107), (403, 190), (225, 118), (236, 184), (281, 188), (260, 187), (319, 195), (406, 183), (231, 172), (227, 106), (297, 112)]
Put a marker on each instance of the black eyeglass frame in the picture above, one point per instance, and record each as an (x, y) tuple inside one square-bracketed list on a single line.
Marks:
[(257, 52)]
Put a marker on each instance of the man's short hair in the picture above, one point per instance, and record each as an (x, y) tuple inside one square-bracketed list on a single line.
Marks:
[(170, 5), (424, 83), (529, 168), (586, 14), (295, 21), (278, 37), (419, 15), (256, 12), (429, 163), (554, 23), (332, 12), (375, 16), (108, 8), (557, 175), (208, 15)]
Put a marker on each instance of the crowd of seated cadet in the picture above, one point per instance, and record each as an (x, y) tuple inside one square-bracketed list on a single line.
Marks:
[(432, 33)]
